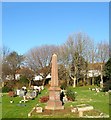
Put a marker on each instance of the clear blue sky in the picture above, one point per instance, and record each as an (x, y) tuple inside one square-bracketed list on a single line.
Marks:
[(26, 25)]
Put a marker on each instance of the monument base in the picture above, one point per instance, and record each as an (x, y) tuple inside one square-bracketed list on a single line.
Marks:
[(54, 105), (54, 102)]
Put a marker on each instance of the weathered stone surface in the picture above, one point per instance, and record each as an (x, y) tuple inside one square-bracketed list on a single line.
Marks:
[(85, 108), (54, 102), (74, 110), (30, 113), (82, 109), (54, 71), (39, 109)]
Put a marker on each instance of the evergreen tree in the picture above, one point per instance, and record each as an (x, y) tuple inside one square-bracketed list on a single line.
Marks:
[(107, 76), (107, 69)]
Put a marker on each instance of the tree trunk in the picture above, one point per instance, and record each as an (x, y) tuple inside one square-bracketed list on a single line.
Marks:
[(77, 81), (74, 84), (101, 82), (29, 83), (74, 81), (14, 76), (84, 81), (43, 82), (92, 80), (67, 80)]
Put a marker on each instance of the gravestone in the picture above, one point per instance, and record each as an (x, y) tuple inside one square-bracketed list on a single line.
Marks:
[(39, 109), (54, 102), (81, 109), (24, 99), (33, 94), (17, 92), (21, 93)]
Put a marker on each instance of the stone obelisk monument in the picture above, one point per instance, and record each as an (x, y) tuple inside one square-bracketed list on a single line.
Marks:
[(54, 102)]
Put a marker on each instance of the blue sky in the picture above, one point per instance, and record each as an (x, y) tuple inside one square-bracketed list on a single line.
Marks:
[(26, 25)]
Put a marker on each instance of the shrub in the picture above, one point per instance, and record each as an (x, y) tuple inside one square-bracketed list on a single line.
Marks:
[(23, 80), (81, 83), (107, 86), (109, 97), (44, 99), (63, 85), (6, 89), (70, 94), (97, 81), (10, 84)]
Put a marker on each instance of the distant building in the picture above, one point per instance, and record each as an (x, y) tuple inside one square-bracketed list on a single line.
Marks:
[(93, 73), (9, 77), (38, 77), (48, 76), (17, 76)]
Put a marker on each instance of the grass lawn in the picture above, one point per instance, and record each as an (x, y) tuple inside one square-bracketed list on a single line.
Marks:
[(14, 110), (99, 101)]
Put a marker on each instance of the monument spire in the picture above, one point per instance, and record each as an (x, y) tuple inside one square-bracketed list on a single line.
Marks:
[(54, 102), (54, 71)]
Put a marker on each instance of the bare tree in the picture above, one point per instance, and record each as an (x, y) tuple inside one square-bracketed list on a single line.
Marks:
[(5, 69), (103, 51), (5, 51), (82, 47), (1, 57), (103, 56), (39, 59), (93, 58), (66, 52), (72, 54)]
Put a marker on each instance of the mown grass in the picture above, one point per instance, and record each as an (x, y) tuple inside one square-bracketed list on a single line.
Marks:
[(99, 101), (14, 110)]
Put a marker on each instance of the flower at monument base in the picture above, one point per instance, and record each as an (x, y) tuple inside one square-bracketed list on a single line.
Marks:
[(44, 99), (11, 93)]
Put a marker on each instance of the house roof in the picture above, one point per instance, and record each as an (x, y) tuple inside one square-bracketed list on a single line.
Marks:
[(48, 76), (95, 66)]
